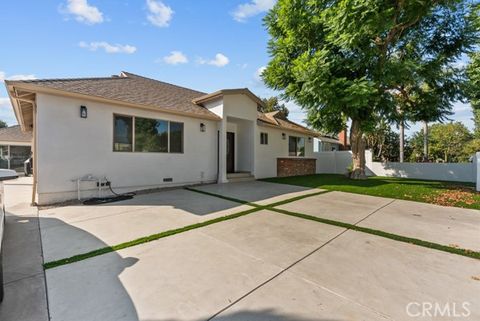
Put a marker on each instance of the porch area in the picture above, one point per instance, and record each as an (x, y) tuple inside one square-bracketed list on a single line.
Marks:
[(237, 156)]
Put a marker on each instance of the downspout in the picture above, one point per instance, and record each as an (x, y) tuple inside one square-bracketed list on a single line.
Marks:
[(218, 155), (35, 158)]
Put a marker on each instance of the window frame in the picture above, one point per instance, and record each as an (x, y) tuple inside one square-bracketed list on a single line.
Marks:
[(263, 138), (133, 135), (297, 151), (183, 137), (113, 131)]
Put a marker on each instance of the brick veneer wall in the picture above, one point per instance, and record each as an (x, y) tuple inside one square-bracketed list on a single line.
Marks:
[(295, 166)]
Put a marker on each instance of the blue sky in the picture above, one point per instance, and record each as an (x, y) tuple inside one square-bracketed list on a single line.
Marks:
[(205, 45)]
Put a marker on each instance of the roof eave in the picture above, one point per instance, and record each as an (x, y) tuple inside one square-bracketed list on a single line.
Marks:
[(16, 107), (222, 92), (65, 93), (302, 131)]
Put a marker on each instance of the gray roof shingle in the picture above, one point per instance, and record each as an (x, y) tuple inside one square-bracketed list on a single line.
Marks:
[(15, 134), (134, 89)]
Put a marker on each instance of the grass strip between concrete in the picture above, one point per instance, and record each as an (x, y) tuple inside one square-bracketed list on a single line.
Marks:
[(231, 199), (145, 239), (396, 237), (154, 237), (256, 208)]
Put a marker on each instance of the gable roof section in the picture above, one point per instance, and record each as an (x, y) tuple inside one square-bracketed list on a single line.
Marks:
[(271, 120), (220, 93), (15, 134), (126, 88)]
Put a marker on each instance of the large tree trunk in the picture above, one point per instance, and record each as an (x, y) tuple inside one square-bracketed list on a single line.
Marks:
[(358, 151), (425, 141), (402, 140)]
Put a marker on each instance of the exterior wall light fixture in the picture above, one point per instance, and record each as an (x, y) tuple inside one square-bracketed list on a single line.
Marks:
[(83, 112)]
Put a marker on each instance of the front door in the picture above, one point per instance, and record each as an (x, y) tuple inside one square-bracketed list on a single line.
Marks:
[(230, 152)]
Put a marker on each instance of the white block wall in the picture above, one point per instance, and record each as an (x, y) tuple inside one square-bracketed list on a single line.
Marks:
[(338, 162)]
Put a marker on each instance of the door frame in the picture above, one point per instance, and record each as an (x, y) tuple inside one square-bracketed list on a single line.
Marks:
[(232, 152)]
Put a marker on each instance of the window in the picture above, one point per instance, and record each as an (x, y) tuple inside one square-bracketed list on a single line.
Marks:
[(122, 134), (296, 146), (151, 135), (264, 138), (147, 135), (176, 137)]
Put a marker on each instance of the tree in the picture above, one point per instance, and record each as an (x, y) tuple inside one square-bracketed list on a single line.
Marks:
[(473, 89), (383, 142), (447, 142), (470, 149), (346, 59), (272, 104), (3, 124)]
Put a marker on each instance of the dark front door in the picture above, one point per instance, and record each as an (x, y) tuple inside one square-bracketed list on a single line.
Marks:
[(230, 152)]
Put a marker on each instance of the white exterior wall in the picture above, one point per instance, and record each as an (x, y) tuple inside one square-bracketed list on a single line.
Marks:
[(337, 162), (266, 161), (70, 147), (241, 111), (457, 172)]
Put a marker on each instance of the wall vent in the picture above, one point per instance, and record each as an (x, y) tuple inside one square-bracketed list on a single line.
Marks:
[(169, 179)]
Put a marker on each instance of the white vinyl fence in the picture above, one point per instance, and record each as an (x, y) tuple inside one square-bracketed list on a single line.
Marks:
[(337, 162)]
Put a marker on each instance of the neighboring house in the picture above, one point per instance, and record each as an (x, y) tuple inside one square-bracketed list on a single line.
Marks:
[(141, 133), (326, 144), (15, 147)]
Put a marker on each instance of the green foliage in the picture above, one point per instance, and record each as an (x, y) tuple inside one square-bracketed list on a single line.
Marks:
[(3, 124), (473, 89), (447, 143), (354, 59), (273, 104), (471, 148), (384, 143)]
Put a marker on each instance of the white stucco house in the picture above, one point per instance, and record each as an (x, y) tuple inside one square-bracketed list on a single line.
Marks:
[(141, 133)]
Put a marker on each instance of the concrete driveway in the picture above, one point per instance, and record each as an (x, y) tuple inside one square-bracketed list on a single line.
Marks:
[(261, 266)]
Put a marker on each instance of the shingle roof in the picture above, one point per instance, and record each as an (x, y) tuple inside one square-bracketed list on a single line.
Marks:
[(134, 89), (15, 134), (138, 90), (281, 123)]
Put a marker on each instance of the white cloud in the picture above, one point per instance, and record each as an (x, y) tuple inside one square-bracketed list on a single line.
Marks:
[(3, 76), (220, 60), (258, 74), (247, 10), (160, 14), (108, 48), (175, 58), (84, 12), (6, 111)]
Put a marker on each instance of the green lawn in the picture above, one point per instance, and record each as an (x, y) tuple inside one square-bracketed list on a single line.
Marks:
[(436, 192)]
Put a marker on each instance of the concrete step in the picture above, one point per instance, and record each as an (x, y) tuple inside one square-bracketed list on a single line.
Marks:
[(238, 174), (240, 177)]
